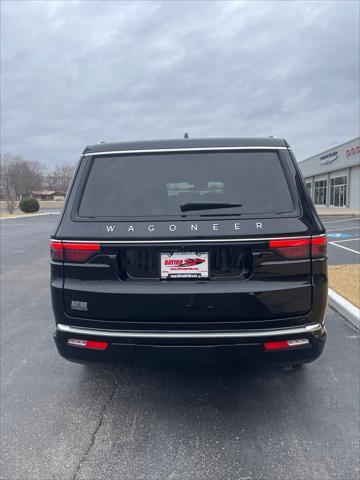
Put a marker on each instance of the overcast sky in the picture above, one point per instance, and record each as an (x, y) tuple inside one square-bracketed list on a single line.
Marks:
[(76, 73)]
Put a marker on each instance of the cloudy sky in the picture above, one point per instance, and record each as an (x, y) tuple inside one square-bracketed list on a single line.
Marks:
[(75, 73)]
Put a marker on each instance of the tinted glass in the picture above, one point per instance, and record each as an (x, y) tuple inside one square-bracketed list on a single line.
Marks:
[(157, 185)]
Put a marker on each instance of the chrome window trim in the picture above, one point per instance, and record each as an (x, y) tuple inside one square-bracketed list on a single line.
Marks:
[(204, 240), (165, 334), (184, 149)]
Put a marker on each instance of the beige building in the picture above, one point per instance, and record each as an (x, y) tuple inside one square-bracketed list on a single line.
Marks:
[(333, 176)]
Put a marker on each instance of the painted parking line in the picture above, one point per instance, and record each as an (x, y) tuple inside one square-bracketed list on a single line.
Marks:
[(339, 235), (345, 248), (29, 215), (347, 240), (346, 228), (343, 220)]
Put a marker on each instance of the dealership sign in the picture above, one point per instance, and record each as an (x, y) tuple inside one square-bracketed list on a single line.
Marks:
[(352, 150), (328, 158)]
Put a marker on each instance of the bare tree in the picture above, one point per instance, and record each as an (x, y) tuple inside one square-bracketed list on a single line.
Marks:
[(6, 184), (60, 178), (26, 176), (19, 177)]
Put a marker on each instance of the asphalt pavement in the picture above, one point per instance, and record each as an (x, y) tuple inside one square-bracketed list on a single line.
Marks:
[(343, 239), (64, 421)]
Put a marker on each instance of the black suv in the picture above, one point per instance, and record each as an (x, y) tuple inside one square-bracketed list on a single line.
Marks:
[(191, 248)]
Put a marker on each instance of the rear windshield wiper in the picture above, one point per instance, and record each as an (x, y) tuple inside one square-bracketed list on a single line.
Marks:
[(186, 207)]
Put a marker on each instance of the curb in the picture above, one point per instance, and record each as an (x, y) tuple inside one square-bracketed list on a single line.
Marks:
[(27, 215), (349, 311)]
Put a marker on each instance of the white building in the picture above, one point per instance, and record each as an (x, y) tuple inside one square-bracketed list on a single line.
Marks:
[(333, 177)]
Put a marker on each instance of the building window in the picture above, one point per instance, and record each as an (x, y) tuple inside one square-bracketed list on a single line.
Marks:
[(338, 191), (320, 192), (309, 188)]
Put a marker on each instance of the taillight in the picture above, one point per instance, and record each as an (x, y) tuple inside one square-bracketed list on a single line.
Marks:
[(80, 252), (292, 248), (73, 252), (299, 248), (318, 247), (92, 344), (285, 344), (56, 251)]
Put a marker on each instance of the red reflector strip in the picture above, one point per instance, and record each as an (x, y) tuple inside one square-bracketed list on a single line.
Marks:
[(97, 345), (284, 344), (276, 345), (93, 345)]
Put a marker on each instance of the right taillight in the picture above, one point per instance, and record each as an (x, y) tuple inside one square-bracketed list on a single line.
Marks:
[(292, 248), (300, 248), (79, 252), (318, 247)]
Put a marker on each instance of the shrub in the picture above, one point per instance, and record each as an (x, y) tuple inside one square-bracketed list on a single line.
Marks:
[(29, 205)]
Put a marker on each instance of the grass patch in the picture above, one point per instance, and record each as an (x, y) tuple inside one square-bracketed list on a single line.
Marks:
[(345, 280)]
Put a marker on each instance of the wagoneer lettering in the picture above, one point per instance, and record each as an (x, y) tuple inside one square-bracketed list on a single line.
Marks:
[(218, 246)]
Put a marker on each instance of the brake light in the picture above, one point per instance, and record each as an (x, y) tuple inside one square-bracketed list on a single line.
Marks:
[(292, 248), (73, 252), (80, 252), (299, 248), (284, 344), (93, 345), (318, 247), (56, 251)]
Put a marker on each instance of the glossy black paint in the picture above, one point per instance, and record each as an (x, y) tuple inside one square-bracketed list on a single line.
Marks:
[(272, 293)]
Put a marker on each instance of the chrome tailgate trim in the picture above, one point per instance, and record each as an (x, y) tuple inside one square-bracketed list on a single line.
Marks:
[(208, 334)]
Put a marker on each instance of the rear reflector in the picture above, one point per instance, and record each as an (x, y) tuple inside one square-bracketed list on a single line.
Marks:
[(284, 344), (76, 342), (73, 252)]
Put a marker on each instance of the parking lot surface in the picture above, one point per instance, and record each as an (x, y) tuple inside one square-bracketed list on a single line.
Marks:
[(65, 421), (343, 239)]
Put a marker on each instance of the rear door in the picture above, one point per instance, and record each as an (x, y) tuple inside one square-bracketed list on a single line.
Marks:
[(129, 209)]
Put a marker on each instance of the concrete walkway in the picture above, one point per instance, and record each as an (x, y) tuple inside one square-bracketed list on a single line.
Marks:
[(338, 211)]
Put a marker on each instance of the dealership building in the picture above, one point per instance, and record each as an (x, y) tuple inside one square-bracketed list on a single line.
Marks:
[(333, 177)]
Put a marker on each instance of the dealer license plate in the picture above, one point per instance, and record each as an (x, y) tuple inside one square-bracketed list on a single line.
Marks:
[(184, 265)]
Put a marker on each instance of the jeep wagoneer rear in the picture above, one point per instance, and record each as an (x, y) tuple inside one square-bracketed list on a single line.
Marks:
[(189, 248)]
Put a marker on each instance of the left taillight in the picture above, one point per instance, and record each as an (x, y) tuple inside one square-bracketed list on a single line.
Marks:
[(56, 251), (73, 252)]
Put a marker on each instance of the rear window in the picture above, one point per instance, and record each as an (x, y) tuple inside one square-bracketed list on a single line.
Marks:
[(159, 185)]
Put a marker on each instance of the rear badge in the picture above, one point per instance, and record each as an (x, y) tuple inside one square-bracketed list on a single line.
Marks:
[(77, 305)]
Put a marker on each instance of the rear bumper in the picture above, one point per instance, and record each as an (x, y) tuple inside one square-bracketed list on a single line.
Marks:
[(191, 347)]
